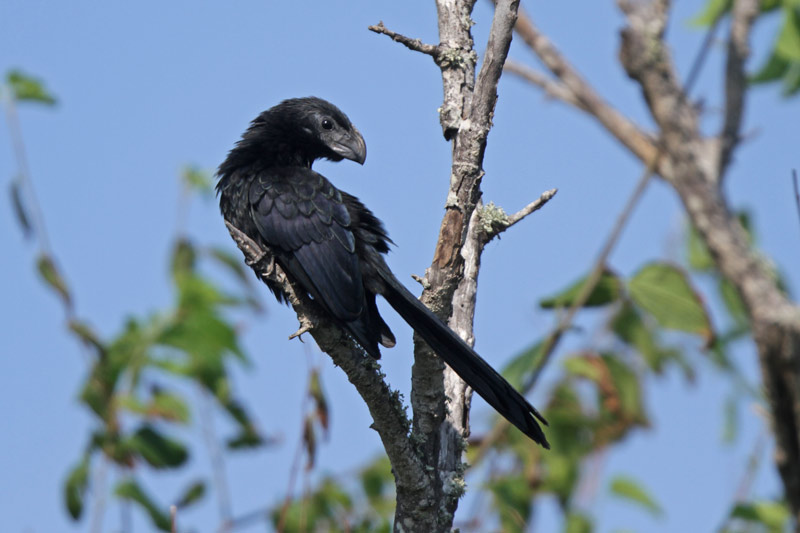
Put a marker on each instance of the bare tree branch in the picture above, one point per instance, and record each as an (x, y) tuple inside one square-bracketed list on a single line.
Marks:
[(583, 95), (552, 88), (796, 191), (743, 15), (384, 404), (695, 176), (439, 426), (412, 44), (498, 227)]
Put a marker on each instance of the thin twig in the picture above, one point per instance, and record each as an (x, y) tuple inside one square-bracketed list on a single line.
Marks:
[(749, 474), (412, 44), (552, 88), (217, 461), (298, 454), (99, 490), (583, 95), (796, 191), (24, 173), (522, 213), (743, 16), (173, 517)]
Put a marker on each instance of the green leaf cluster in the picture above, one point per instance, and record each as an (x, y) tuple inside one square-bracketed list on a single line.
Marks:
[(137, 381), (332, 506), (598, 400), (23, 87), (783, 62)]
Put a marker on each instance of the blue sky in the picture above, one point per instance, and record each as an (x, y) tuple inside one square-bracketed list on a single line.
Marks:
[(145, 89)]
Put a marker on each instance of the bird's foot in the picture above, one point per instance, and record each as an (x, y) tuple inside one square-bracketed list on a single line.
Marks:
[(305, 327)]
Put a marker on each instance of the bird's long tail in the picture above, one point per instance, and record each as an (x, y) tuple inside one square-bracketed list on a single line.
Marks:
[(470, 366)]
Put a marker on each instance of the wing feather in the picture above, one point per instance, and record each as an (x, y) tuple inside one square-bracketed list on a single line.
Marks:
[(302, 216)]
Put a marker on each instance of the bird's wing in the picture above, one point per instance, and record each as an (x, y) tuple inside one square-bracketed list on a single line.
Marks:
[(301, 215)]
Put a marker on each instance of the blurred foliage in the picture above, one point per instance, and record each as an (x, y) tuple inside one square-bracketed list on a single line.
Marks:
[(783, 62), (333, 506), (23, 87), (136, 384), (599, 399)]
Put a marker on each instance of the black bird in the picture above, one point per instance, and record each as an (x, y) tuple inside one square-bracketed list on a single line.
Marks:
[(329, 243)]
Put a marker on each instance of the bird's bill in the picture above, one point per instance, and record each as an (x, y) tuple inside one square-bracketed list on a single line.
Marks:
[(351, 147)]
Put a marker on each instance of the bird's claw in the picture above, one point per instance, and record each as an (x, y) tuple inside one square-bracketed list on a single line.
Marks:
[(304, 328)]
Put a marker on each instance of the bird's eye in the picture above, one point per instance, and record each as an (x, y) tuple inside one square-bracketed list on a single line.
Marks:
[(327, 124)]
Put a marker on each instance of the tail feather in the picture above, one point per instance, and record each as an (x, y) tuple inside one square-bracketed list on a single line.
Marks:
[(476, 372)]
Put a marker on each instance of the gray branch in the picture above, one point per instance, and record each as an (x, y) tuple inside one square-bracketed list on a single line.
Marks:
[(412, 44), (388, 413), (743, 15), (694, 166), (493, 228), (573, 89), (440, 400), (695, 176)]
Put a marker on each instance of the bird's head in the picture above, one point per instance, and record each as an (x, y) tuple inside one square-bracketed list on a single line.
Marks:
[(317, 128)]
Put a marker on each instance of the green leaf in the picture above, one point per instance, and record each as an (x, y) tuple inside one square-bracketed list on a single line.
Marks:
[(198, 180), (164, 405), (183, 258), (712, 10), (169, 407), (629, 489), (235, 265), (730, 426), (585, 367), (512, 497), (158, 450), (75, 488), (629, 326), (788, 44), (576, 522), (85, 332), (199, 330), (50, 274), (192, 494), (627, 388), (130, 490), (26, 88), (664, 291), (320, 402), (791, 81), (697, 252), (774, 69), (607, 290), (784, 60), (773, 515), (377, 480), (248, 437), (310, 442), (733, 303), (20, 211)]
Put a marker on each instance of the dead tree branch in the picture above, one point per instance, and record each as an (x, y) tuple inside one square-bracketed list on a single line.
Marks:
[(412, 44), (440, 400), (742, 18), (695, 165), (695, 176), (384, 404), (582, 94)]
